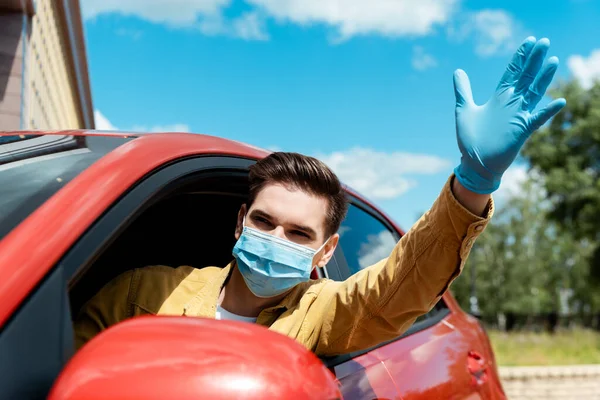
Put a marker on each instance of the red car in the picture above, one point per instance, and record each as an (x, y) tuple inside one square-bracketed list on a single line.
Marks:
[(78, 208)]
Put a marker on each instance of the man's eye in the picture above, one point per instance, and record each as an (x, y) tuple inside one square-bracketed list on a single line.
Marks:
[(261, 220), (300, 233)]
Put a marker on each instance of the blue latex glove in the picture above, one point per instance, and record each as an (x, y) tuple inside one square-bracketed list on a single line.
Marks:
[(490, 136)]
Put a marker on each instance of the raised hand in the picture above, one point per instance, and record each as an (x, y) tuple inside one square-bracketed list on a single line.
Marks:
[(490, 136)]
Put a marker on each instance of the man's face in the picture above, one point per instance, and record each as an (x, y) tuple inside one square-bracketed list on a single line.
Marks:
[(290, 214)]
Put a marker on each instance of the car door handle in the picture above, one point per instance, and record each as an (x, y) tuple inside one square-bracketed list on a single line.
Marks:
[(477, 367)]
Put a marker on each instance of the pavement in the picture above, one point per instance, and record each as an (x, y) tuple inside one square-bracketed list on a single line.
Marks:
[(556, 382)]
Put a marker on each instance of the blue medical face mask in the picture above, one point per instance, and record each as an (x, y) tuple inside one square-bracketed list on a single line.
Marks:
[(270, 265)]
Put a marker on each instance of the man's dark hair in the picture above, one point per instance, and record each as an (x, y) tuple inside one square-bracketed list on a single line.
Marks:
[(304, 173)]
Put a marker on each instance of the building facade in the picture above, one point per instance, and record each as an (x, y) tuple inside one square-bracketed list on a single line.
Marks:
[(44, 81)]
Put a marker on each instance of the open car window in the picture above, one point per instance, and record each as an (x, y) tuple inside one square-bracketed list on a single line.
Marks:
[(189, 221)]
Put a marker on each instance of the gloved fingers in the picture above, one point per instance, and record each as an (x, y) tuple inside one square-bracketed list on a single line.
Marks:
[(540, 84), (533, 65), (514, 68), (462, 89), (540, 118)]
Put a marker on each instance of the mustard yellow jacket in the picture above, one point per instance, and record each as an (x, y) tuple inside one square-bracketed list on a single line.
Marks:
[(330, 318)]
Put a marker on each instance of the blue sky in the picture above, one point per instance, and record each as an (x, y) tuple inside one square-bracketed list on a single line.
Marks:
[(364, 85)]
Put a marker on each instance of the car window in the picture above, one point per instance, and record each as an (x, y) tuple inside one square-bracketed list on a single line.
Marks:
[(364, 239), (34, 167)]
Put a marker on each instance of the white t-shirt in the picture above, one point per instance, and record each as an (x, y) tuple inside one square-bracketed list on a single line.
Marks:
[(226, 315)]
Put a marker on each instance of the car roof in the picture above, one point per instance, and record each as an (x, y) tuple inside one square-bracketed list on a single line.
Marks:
[(229, 145)]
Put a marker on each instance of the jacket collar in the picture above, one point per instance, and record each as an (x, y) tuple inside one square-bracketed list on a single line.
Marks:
[(204, 303)]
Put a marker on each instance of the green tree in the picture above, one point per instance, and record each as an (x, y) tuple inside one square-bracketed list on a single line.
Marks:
[(567, 156), (523, 263)]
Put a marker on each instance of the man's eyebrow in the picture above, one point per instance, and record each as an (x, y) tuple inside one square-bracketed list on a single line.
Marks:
[(305, 229), (260, 213)]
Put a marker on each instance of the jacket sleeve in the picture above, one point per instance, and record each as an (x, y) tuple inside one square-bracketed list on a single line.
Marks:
[(108, 307), (382, 301)]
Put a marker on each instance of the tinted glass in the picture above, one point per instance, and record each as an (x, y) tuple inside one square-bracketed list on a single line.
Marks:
[(364, 239), (33, 168)]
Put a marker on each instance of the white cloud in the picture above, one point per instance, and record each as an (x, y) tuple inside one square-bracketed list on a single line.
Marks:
[(250, 26), (381, 175), (520, 182), (171, 12), (421, 60), (102, 123), (162, 128), (348, 17), (494, 31), (376, 248), (512, 182), (585, 70), (204, 15), (359, 17), (130, 33)]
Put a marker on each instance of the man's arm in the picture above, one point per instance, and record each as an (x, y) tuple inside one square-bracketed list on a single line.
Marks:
[(141, 291), (382, 301), (108, 307), (474, 202)]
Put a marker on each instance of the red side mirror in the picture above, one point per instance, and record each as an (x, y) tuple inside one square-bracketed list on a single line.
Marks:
[(193, 358)]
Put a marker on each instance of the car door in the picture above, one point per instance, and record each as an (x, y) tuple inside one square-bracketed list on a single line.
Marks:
[(37, 340), (433, 359)]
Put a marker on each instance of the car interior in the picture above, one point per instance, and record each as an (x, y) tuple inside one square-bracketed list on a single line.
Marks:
[(190, 224)]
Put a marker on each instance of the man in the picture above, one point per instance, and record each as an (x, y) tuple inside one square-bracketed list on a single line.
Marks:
[(289, 224)]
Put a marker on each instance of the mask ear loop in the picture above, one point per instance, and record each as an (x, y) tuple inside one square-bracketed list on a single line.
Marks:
[(319, 250)]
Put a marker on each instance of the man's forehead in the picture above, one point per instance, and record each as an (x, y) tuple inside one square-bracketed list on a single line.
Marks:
[(291, 205)]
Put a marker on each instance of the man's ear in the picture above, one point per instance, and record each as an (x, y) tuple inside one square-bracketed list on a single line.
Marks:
[(327, 252), (240, 222)]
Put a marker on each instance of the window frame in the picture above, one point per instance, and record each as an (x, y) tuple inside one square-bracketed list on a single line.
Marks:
[(435, 316)]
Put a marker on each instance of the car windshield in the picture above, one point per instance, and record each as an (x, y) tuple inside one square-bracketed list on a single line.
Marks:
[(34, 167)]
